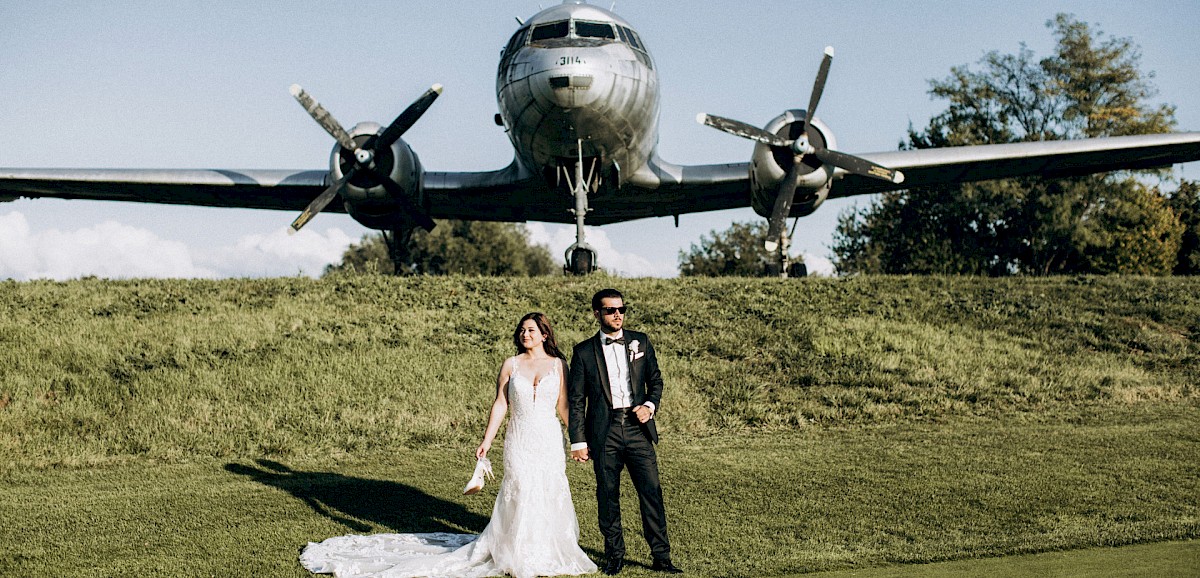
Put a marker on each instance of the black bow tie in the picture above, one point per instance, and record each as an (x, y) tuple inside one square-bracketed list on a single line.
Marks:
[(610, 341)]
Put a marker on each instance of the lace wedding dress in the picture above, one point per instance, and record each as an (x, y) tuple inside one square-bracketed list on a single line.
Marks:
[(533, 530)]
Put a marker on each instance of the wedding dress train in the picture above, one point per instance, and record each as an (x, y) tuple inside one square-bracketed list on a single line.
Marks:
[(533, 530)]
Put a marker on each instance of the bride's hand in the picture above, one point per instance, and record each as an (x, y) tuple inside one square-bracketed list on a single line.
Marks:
[(481, 451)]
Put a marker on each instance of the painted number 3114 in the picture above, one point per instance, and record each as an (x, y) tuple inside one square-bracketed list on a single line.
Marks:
[(565, 60)]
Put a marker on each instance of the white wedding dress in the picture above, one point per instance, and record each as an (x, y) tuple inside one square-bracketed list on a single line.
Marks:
[(533, 530)]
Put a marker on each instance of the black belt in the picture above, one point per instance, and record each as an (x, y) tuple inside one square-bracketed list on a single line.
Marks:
[(621, 415)]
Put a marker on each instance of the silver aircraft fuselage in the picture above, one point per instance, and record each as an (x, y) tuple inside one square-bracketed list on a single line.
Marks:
[(576, 81)]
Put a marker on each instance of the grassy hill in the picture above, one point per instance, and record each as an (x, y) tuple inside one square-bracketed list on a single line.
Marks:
[(98, 370), (859, 421)]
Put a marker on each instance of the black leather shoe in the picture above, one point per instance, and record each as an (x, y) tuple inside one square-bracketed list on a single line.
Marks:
[(613, 565), (665, 566)]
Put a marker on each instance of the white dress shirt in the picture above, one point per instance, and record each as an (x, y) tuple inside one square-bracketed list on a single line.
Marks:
[(616, 358)]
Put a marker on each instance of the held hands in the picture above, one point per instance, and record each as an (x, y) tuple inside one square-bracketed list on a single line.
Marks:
[(643, 413), (580, 455)]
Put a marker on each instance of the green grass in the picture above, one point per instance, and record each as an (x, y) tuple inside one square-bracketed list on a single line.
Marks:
[(214, 427), (1174, 559), (749, 505)]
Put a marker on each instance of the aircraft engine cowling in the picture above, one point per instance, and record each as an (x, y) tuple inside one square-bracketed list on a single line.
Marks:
[(769, 166), (365, 196)]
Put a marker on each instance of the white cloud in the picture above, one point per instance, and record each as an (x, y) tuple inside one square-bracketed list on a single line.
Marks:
[(558, 238), (113, 250), (108, 249), (819, 266), (278, 254)]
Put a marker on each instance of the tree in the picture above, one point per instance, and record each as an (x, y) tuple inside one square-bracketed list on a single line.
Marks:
[(1091, 86), (453, 247), (1185, 203), (1134, 233), (737, 251)]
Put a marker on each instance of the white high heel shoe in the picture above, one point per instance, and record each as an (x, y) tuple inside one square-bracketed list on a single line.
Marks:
[(483, 468)]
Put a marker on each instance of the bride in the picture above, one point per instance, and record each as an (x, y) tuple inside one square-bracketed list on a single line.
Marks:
[(533, 530)]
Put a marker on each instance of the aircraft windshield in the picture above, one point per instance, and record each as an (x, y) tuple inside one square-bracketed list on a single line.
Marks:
[(594, 30), (517, 41), (551, 30), (632, 37), (594, 33)]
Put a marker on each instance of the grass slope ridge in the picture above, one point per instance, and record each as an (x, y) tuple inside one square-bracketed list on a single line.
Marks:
[(97, 371)]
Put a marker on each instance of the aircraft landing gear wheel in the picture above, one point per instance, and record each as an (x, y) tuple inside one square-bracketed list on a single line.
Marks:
[(581, 261)]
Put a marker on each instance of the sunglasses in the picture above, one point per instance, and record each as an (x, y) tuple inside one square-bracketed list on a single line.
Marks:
[(611, 310)]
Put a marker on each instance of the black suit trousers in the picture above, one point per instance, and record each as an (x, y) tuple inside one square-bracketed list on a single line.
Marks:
[(628, 446)]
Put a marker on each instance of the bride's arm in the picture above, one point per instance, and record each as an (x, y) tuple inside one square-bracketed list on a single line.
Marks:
[(562, 392), (499, 408)]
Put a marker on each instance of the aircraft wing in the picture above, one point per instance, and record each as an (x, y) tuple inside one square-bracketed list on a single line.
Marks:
[(479, 196), (508, 194), (663, 188), (1049, 159), (249, 189), (659, 189)]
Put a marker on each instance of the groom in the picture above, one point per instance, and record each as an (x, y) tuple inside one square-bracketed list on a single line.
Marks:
[(614, 390)]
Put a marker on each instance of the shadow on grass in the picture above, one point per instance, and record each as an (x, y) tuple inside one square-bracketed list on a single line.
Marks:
[(356, 503)]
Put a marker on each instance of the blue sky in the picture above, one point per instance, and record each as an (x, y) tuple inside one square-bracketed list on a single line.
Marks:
[(132, 84)]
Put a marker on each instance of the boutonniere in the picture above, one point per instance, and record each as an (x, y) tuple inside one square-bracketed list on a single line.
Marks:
[(633, 350)]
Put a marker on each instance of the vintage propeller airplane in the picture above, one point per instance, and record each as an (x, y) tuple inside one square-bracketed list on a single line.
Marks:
[(578, 95)]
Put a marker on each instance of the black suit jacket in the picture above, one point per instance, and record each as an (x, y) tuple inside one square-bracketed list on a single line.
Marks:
[(589, 396)]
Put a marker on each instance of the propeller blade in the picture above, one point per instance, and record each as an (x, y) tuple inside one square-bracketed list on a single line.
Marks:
[(322, 201), (406, 119), (859, 166), (323, 118), (739, 128), (818, 88), (783, 206), (399, 194)]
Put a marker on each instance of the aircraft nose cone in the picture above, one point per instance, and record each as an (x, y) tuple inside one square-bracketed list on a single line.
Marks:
[(571, 79)]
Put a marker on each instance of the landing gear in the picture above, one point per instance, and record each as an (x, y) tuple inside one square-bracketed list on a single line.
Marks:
[(581, 260), (783, 265), (397, 243), (581, 257)]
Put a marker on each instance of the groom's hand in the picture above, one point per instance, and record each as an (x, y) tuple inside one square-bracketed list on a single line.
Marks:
[(643, 413), (580, 455)]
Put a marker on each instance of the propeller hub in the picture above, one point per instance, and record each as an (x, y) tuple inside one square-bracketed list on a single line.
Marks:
[(801, 146), (364, 156)]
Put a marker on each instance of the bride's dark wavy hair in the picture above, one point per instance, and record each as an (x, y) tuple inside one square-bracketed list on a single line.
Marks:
[(543, 323)]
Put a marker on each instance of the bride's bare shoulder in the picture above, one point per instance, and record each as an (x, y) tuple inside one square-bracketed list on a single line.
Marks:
[(509, 365)]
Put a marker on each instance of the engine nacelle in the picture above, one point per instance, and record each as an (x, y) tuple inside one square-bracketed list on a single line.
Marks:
[(366, 198), (769, 167)]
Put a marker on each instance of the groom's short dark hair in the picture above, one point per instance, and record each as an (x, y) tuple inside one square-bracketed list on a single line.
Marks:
[(603, 294)]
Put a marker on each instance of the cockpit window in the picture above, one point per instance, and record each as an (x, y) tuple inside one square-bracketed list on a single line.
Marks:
[(594, 30), (633, 39), (518, 40), (551, 30)]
